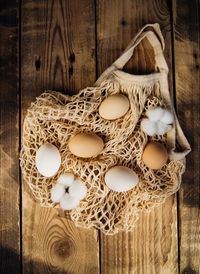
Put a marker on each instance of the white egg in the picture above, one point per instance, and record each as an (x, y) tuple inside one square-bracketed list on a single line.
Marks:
[(120, 178), (68, 202), (78, 190), (57, 192), (48, 160), (66, 179)]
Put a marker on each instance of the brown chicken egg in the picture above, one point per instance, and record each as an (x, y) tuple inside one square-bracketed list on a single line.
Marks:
[(114, 107), (86, 145), (155, 155)]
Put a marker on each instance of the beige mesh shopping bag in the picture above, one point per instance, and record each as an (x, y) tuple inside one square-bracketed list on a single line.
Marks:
[(55, 118)]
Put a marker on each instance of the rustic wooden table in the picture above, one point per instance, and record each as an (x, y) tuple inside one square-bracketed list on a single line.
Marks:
[(64, 45)]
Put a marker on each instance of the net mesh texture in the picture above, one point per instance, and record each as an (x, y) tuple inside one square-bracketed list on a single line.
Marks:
[(55, 118)]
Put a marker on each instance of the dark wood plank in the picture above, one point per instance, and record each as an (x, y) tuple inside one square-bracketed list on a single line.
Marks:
[(152, 247), (9, 183), (58, 52), (187, 54)]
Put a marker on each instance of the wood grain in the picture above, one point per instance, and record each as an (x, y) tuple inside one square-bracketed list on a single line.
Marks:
[(187, 57), (9, 171), (152, 247), (58, 52), (52, 244)]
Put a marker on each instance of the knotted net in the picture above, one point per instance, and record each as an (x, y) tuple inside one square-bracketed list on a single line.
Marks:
[(54, 118)]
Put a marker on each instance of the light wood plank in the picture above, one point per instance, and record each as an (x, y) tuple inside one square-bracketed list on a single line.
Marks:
[(152, 246), (58, 52), (187, 57), (9, 129)]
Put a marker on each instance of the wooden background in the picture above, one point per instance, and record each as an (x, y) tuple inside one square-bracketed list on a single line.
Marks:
[(64, 45)]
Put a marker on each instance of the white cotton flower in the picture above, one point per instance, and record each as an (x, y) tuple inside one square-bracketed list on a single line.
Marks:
[(68, 202), (155, 114), (66, 179), (78, 190), (158, 122), (162, 128), (149, 127), (68, 191), (57, 192), (167, 117)]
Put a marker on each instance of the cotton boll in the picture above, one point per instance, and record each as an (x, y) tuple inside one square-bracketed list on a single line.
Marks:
[(162, 128), (167, 117), (66, 179), (155, 114), (149, 127), (78, 190), (68, 202), (57, 192)]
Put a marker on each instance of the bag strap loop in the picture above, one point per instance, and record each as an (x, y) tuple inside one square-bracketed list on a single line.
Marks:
[(153, 33)]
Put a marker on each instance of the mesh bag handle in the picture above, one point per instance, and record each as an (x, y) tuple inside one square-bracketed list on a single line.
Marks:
[(153, 33)]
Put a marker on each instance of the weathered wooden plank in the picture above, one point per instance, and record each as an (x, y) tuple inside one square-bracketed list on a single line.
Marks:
[(52, 244), (58, 52), (9, 185), (187, 54), (152, 246)]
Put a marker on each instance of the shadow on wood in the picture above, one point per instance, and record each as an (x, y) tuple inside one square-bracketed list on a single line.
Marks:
[(9, 260)]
